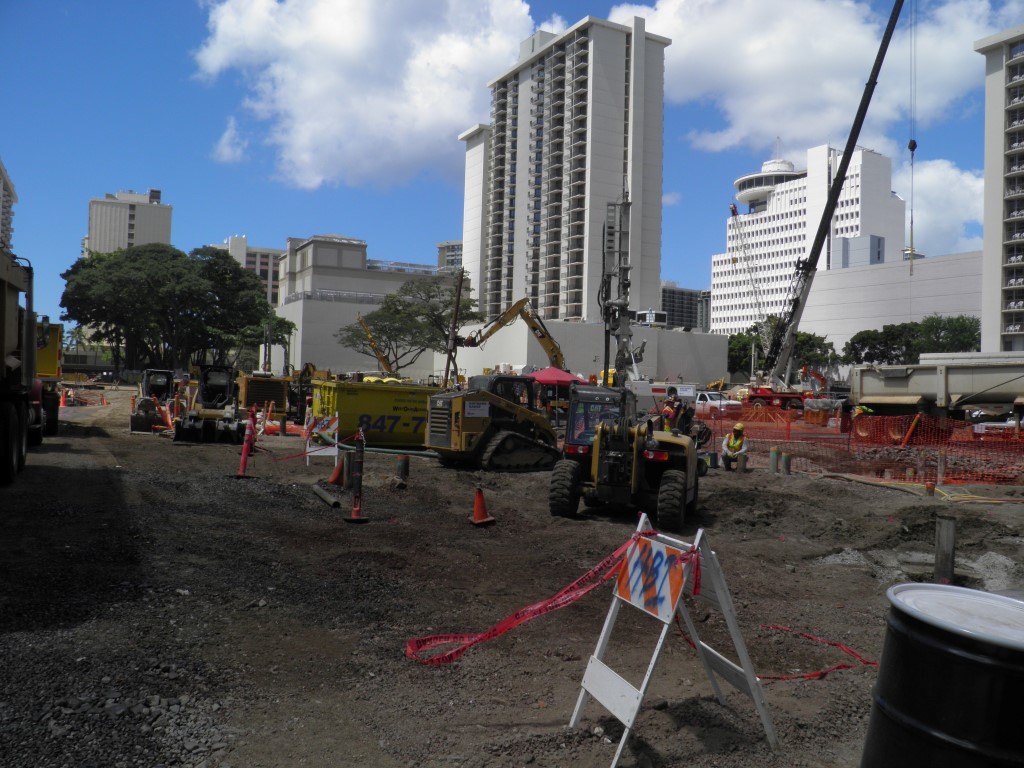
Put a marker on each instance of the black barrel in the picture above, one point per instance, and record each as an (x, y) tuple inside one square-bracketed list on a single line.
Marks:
[(950, 689)]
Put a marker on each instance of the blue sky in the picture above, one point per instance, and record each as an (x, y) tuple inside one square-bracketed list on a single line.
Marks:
[(301, 117)]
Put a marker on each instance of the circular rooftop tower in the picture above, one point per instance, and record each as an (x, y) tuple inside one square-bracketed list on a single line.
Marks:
[(754, 189)]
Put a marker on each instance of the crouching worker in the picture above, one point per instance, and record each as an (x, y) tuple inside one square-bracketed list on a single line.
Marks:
[(734, 445)]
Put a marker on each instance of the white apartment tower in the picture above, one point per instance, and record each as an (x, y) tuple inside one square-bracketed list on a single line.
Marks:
[(780, 209), (126, 219), (1002, 262), (575, 123)]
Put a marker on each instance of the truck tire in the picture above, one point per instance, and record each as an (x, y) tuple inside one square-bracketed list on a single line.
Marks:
[(51, 406), (10, 440), (758, 403), (672, 500), (564, 491), (37, 430)]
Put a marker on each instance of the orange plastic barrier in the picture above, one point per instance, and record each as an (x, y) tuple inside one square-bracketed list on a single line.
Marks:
[(916, 449)]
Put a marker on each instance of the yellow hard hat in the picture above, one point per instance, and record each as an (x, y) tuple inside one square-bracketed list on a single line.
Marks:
[(739, 426)]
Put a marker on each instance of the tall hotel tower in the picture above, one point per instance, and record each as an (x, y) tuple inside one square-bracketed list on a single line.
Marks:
[(576, 124), (1002, 260), (782, 209)]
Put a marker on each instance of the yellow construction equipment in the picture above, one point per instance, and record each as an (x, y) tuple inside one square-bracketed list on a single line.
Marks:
[(521, 309), (382, 359)]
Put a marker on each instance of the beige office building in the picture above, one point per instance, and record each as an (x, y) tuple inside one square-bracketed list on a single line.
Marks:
[(124, 219)]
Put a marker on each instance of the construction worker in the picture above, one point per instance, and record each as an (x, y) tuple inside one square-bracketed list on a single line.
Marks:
[(670, 411), (734, 445)]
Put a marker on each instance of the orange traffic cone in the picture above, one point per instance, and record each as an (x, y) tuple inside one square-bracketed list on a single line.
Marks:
[(339, 470), (480, 516), (103, 399), (63, 398)]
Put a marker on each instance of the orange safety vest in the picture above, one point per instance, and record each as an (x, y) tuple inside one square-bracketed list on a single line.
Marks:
[(734, 445)]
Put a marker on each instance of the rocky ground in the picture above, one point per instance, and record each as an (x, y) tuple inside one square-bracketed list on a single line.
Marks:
[(157, 610)]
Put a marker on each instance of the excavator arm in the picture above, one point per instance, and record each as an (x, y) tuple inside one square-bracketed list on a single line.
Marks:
[(540, 332), (385, 364)]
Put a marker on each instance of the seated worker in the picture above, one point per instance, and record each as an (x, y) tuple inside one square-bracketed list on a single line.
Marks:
[(733, 446)]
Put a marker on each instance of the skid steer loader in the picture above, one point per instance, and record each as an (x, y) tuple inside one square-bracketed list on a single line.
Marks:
[(212, 415), (155, 389)]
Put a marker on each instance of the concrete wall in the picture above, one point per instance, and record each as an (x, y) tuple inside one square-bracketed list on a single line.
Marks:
[(843, 302), (669, 356)]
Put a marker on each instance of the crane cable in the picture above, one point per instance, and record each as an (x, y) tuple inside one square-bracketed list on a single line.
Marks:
[(912, 144)]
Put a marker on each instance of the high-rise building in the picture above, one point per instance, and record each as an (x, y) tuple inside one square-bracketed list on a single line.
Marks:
[(262, 261), (1002, 270), (685, 307), (783, 208), (576, 125), (8, 197), (125, 219), (449, 254)]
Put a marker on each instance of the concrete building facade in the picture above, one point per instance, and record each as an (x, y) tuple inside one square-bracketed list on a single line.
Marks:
[(8, 197), (576, 124), (125, 219), (1002, 264), (685, 307), (843, 302), (262, 261), (751, 279), (326, 282), (449, 254)]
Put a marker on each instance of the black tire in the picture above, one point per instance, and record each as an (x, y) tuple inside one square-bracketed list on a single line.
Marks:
[(564, 491), (9, 441), (758, 403), (23, 436), (36, 432), (672, 500), (691, 506), (51, 407)]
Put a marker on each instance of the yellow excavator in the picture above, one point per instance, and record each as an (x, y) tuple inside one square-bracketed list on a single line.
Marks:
[(390, 374), (521, 309)]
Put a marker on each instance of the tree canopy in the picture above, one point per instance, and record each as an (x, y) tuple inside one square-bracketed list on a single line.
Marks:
[(165, 308), (904, 343), (809, 349), (414, 319)]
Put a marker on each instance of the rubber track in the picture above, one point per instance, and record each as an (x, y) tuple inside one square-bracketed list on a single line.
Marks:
[(527, 455)]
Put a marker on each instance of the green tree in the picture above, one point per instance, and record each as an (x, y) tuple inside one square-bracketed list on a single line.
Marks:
[(165, 308), (739, 352), (894, 344), (414, 319), (959, 333)]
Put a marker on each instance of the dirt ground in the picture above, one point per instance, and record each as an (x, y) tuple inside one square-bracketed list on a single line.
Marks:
[(156, 610)]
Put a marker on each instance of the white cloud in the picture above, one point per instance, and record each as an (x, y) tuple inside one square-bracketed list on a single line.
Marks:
[(947, 206), (367, 91), (375, 92), (231, 146), (671, 198), (800, 75)]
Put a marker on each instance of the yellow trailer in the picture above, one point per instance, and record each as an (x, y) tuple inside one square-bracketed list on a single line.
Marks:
[(390, 415)]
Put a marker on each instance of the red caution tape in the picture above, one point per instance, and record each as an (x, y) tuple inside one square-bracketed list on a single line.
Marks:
[(822, 672), (592, 579)]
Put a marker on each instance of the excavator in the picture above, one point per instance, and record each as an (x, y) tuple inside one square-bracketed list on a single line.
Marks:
[(497, 423), (390, 374), (540, 332)]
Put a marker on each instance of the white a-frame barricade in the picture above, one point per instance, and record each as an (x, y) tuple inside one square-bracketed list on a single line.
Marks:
[(324, 428), (657, 571)]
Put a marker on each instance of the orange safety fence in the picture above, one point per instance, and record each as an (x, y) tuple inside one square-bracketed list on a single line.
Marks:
[(916, 449)]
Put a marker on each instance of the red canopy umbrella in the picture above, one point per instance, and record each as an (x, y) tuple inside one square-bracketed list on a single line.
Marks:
[(554, 376)]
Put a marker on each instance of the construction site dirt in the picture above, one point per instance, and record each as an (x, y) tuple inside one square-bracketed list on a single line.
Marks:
[(156, 609)]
